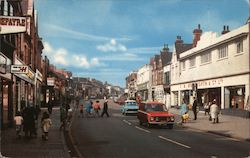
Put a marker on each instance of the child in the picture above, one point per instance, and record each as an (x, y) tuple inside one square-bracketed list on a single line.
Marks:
[(45, 125), (18, 120), (96, 107)]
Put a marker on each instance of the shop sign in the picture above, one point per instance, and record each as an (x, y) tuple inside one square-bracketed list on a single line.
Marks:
[(12, 24), (203, 84), (3, 63), (31, 74), (39, 75), (50, 81), (19, 69)]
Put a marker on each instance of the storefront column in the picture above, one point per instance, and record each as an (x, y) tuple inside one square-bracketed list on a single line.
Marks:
[(179, 98), (247, 95), (222, 97)]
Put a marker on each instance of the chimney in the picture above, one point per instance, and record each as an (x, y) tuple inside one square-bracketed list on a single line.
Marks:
[(225, 29), (197, 35), (165, 48), (178, 40)]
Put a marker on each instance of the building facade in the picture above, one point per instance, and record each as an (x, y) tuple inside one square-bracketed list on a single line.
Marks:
[(144, 79), (217, 68)]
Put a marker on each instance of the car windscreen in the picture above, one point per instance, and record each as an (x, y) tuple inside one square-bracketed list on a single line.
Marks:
[(130, 103), (155, 107)]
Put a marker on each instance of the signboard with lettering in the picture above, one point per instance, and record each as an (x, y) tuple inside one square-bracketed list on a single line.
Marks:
[(51, 81), (12, 24), (19, 69), (3, 63)]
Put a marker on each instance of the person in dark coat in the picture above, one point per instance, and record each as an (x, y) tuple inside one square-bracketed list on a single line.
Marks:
[(29, 116), (105, 109), (50, 106), (194, 108)]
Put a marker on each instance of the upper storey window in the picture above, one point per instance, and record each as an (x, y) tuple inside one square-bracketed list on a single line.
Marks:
[(239, 47), (223, 52), (192, 62), (206, 58)]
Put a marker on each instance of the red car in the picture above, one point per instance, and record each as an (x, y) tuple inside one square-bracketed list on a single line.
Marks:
[(155, 113)]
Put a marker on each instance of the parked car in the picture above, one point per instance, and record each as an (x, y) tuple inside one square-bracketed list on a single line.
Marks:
[(129, 107), (155, 113)]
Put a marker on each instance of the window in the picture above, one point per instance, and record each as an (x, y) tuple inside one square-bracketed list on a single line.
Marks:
[(192, 62), (223, 52), (239, 47), (183, 65), (167, 77), (206, 57)]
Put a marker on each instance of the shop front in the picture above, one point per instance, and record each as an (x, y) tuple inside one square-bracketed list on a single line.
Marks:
[(142, 91), (25, 85), (6, 104)]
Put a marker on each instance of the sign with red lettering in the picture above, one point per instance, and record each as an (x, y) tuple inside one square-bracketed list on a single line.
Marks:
[(19, 69), (12, 24)]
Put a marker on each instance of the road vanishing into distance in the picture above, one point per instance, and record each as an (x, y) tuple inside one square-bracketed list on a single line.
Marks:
[(121, 136)]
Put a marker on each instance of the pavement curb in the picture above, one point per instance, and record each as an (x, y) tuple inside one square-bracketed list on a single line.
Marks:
[(72, 141)]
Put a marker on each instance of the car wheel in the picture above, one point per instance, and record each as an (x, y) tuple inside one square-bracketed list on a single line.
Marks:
[(170, 126), (148, 125), (140, 122)]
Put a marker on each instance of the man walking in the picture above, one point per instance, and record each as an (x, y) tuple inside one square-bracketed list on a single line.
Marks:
[(194, 108), (105, 109)]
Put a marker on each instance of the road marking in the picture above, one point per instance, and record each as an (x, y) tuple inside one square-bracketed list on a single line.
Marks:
[(141, 129), (172, 141), (127, 122)]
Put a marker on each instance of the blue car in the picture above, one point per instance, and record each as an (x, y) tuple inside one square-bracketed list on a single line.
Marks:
[(129, 107)]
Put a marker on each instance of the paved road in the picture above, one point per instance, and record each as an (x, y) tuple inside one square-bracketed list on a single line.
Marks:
[(121, 136)]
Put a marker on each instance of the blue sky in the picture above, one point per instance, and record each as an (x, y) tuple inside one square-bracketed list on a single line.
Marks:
[(107, 39)]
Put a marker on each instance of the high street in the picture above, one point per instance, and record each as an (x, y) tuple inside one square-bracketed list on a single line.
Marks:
[(122, 136)]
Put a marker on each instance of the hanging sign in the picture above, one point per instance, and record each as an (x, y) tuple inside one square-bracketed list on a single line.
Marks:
[(19, 69)]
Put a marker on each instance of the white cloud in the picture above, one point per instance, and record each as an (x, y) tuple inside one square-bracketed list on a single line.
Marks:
[(60, 57), (122, 57), (80, 35), (248, 2), (112, 46), (47, 48)]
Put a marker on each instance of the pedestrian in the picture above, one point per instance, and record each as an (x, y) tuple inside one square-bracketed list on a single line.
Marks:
[(63, 117), (194, 108), (96, 107), (50, 106), (184, 111), (105, 109), (29, 116), (207, 107), (18, 121), (81, 110), (45, 125), (214, 111)]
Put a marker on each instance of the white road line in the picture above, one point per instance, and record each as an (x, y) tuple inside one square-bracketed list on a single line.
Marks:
[(172, 141), (127, 122), (141, 129)]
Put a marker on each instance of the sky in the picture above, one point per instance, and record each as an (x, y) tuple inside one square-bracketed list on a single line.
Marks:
[(108, 39)]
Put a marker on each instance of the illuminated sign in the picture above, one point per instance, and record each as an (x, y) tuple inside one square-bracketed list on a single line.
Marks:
[(19, 69)]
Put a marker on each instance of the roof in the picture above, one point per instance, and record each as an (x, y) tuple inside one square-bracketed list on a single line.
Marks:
[(180, 48)]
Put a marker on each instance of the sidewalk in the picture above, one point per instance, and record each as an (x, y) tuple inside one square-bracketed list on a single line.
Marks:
[(230, 126), (35, 147)]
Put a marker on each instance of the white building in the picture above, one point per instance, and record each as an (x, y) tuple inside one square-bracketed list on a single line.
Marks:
[(218, 67), (144, 80)]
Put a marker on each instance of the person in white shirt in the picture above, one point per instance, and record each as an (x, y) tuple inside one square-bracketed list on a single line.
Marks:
[(214, 111), (18, 121)]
